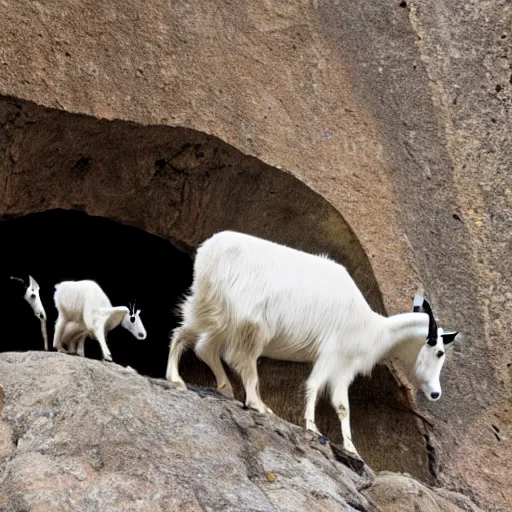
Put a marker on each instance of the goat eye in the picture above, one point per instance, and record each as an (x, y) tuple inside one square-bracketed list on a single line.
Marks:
[(132, 319), (440, 353), (33, 296)]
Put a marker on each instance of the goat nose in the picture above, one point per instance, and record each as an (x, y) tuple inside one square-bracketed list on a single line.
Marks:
[(141, 335), (434, 395), (41, 316)]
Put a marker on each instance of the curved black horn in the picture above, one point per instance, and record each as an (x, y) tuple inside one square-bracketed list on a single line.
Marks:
[(432, 326), (131, 307)]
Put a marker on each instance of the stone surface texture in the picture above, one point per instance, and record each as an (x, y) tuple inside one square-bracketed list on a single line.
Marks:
[(390, 120), (82, 435)]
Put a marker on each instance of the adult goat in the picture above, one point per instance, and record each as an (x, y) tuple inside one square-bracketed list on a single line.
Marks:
[(251, 298)]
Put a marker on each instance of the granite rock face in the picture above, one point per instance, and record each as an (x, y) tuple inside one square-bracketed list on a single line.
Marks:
[(377, 131)]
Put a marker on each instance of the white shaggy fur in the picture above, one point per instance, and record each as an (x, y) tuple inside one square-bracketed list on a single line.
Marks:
[(85, 311), (251, 298), (33, 298)]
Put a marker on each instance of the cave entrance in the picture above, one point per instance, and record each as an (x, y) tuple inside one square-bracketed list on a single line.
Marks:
[(183, 186), (125, 261)]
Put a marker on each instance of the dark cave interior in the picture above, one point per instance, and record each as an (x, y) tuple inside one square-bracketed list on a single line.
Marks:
[(127, 262)]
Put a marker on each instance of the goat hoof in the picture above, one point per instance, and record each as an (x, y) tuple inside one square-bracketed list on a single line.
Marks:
[(261, 410), (178, 384), (352, 454), (108, 358), (226, 392), (311, 427)]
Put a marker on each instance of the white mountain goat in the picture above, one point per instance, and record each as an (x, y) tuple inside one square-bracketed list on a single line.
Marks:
[(86, 311), (31, 295), (251, 298)]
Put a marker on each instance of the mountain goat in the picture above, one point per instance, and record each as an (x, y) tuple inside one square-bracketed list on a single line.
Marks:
[(86, 311), (32, 296), (251, 298)]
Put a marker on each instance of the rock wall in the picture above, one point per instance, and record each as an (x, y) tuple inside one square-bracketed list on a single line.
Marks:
[(395, 113)]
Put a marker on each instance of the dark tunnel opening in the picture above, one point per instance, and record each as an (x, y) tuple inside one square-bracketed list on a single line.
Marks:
[(126, 262), (184, 185)]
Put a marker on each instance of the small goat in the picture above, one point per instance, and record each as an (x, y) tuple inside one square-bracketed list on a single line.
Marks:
[(86, 311), (31, 295), (251, 298)]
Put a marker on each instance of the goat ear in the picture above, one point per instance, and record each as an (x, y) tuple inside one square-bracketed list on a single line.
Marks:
[(418, 302), (33, 283), (448, 337)]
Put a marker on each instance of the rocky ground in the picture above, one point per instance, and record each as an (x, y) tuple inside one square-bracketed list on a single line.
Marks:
[(82, 435)]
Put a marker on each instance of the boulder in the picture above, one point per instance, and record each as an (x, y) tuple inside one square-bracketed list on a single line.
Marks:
[(83, 435)]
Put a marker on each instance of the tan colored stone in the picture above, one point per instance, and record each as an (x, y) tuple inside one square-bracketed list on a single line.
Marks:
[(93, 436), (6, 443), (392, 492), (396, 113)]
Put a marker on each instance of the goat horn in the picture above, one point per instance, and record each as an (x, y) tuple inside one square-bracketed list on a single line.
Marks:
[(432, 326)]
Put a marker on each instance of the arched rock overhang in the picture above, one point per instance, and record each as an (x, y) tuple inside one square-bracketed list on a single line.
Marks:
[(183, 185)]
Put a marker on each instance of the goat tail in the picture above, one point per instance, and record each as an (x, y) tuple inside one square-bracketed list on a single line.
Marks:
[(179, 342)]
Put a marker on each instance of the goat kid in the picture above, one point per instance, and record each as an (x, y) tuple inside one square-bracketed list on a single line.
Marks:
[(251, 298), (85, 311), (32, 296)]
